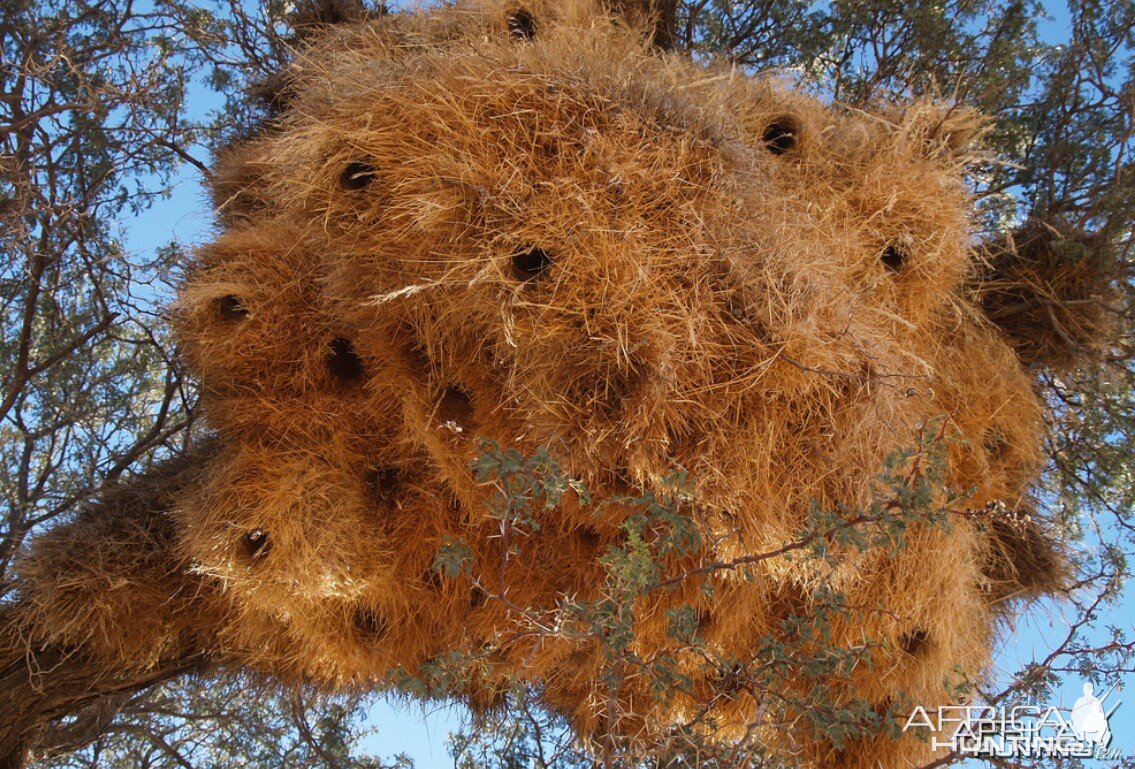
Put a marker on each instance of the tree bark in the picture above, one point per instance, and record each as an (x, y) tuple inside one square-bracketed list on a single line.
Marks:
[(52, 683), (89, 594)]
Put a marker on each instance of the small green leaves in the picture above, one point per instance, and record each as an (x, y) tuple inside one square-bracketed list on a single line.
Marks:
[(454, 557)]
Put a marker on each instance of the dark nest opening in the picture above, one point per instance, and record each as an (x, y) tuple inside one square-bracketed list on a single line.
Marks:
[(343, 363), (781, 135), (530, 263), (522, 25)]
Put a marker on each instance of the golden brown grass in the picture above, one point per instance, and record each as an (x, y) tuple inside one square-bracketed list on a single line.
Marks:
[(636, 262)]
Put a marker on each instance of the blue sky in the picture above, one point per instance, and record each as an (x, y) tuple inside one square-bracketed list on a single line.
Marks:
[(421, 731)]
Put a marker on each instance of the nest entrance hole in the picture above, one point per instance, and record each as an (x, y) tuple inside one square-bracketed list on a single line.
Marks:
[(995, 444), (370, 623), (231, 309), (781, 135), (382, 482), (522, 25), (256, 544), (893, 258), (455, 408), (590, 538), (356, 176), (343, 363), (477, 597), (530, 263), (915, 642)]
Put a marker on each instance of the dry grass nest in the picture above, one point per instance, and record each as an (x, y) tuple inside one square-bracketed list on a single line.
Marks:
[(1053, 289), (522, 224)]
